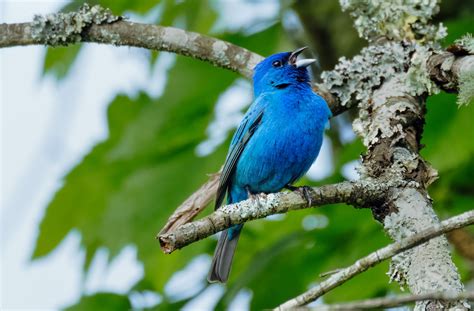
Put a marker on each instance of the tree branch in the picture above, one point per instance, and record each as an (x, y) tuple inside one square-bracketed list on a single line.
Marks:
[(391, 302), (377, 257), (98, 25), (391, 126), (446, 68), (363, 193)]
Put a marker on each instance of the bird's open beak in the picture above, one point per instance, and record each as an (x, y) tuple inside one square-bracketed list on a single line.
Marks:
[(302, 62)]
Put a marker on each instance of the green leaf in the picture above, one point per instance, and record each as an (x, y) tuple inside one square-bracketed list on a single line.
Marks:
[(58, 60), (449, 133), (101, 301), (458, 27), (118, 7)]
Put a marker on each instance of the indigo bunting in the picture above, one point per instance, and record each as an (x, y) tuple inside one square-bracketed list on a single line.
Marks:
[(275, 144)]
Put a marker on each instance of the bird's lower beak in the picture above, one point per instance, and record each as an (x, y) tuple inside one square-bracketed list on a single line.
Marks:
[(302, 62)]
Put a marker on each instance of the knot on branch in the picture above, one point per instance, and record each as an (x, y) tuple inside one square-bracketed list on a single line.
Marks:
[(67, 28), (453, 70), (439, 66)]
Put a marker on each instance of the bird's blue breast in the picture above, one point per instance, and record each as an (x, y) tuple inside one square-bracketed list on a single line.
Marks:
[(285, 144)]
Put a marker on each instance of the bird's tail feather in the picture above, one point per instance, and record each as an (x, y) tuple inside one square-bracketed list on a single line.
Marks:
[(222, 261)]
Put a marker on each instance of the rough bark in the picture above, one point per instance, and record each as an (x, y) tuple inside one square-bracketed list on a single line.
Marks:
[(427, 268), (390, 123)]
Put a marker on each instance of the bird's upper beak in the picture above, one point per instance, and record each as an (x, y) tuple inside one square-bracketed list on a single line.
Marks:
[(302, 62)]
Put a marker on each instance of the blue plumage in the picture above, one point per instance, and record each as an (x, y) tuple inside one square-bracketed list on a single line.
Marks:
[(276, 142)]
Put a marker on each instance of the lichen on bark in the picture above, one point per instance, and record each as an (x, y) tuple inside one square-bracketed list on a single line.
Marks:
[(353, 80), (466, 88), (66, 28), (399, 20), (396, 66), (466, 77), (421, 263), (389, 82)]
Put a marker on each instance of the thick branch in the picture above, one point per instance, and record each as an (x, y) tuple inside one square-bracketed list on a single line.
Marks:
[(377, 257), (357, 193), (391, 302), (392, 133), (153, 37)]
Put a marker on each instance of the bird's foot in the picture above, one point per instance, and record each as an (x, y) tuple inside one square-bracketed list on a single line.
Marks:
[(304, 191), (255, 197)]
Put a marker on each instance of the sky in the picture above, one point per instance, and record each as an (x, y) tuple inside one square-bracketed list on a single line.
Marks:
[(45, 132)]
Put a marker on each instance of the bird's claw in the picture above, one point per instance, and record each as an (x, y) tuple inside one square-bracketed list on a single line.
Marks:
[(255, 196), (305, 192)]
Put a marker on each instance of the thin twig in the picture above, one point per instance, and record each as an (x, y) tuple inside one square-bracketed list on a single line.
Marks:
[(328, 273), (377, 257), (391, 302)]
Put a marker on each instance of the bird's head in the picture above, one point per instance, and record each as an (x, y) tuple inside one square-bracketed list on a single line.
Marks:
[(281, 70)]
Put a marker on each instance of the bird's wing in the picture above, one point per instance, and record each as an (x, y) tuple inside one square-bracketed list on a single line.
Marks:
[(246, 129)]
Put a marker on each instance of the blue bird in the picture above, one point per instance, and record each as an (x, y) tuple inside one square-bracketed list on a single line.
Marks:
[(275, 144)]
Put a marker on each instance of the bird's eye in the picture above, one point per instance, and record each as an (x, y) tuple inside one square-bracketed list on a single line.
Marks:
[(276, 63)]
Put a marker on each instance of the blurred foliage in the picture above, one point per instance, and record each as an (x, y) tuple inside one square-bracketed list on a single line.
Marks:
[(321, 20), (123, 191), (98, 301)]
